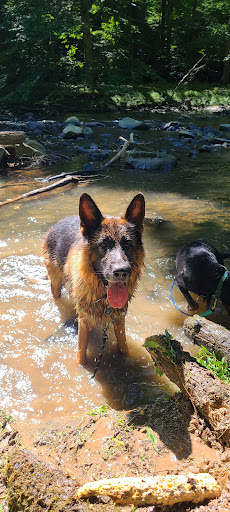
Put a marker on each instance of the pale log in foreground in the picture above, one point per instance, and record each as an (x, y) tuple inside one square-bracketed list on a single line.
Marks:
[(158, 490)]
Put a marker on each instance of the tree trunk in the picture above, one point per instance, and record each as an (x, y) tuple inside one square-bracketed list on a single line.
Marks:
[(226, 68), (208, 394), (87, 42), (212, 336), (163, 18), (169, 32), (166, 33)]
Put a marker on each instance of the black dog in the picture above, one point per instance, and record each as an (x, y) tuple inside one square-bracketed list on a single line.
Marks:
[(200, 267)]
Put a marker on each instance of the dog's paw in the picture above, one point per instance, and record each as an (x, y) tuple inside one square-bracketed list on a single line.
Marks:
[(191, 309)]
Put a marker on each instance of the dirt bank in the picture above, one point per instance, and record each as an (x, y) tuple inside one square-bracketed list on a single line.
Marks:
[(41, 469)]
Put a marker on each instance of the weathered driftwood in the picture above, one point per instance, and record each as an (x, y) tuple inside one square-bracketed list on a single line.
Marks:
[(12, 138), (209, 395), (158, 490), (61, 183), (212, 336), (121, 152)]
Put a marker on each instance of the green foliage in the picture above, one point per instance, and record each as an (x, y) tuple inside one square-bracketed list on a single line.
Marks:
[(152, 438), (102, 410), (98, 43), (153, 343), (209, 361)]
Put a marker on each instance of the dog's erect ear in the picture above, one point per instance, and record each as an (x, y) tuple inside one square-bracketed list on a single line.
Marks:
[(90, 215), (136, 211)]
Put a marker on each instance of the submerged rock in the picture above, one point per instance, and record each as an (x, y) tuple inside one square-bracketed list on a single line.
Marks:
[(224, 128), (187, 133), (150, 161)]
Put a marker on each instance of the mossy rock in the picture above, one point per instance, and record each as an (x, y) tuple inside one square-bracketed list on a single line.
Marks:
[(29, 148), (36, 146)]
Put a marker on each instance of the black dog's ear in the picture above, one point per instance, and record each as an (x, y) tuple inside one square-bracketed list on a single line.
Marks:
[(136, 211), (90, 215)]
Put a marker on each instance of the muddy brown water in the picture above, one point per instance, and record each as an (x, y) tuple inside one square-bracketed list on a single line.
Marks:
[(39, 378)]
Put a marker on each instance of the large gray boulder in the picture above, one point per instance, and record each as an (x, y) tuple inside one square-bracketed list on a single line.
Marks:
[(132, 124), (72, 131), (73, 120)]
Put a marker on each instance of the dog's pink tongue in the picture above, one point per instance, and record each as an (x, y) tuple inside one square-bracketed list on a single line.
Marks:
[(117, 294)]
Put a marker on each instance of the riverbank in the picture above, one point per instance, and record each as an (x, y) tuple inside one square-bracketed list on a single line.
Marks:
[(65, 98)]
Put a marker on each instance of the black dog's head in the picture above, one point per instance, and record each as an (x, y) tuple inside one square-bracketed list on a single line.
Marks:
[(115, 245)]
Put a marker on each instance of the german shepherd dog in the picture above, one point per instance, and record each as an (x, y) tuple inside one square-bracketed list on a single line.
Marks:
[(200, 267), (101, 259)]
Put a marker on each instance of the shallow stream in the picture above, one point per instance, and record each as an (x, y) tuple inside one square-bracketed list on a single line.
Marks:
[(39, 378)]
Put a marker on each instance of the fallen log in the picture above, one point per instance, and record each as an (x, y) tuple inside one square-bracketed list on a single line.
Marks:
[(212, 336), (158, 490), (209, 395), (37, 191), (12, 138)]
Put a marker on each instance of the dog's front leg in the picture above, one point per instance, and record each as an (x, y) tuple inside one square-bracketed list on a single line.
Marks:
[(192, 304), (83, 339), (119, 329)]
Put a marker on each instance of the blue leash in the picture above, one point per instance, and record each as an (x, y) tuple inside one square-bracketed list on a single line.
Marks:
[(217, 295), (173, 301)]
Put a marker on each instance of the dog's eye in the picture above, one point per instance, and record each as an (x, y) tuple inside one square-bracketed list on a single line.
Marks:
[(106, 244), (126, 245)]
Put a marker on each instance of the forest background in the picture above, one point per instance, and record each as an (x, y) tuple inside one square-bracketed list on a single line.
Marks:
[(58, 52)]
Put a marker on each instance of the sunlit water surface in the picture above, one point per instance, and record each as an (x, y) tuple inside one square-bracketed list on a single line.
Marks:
[(39, 378)]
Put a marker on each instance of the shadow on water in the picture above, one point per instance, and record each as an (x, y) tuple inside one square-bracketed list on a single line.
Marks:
[(38, 373)]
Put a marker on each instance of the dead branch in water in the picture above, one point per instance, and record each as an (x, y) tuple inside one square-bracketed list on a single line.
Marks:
[(71, 177), (116, 157), (61, 183), (121, 152), (209, 395)]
